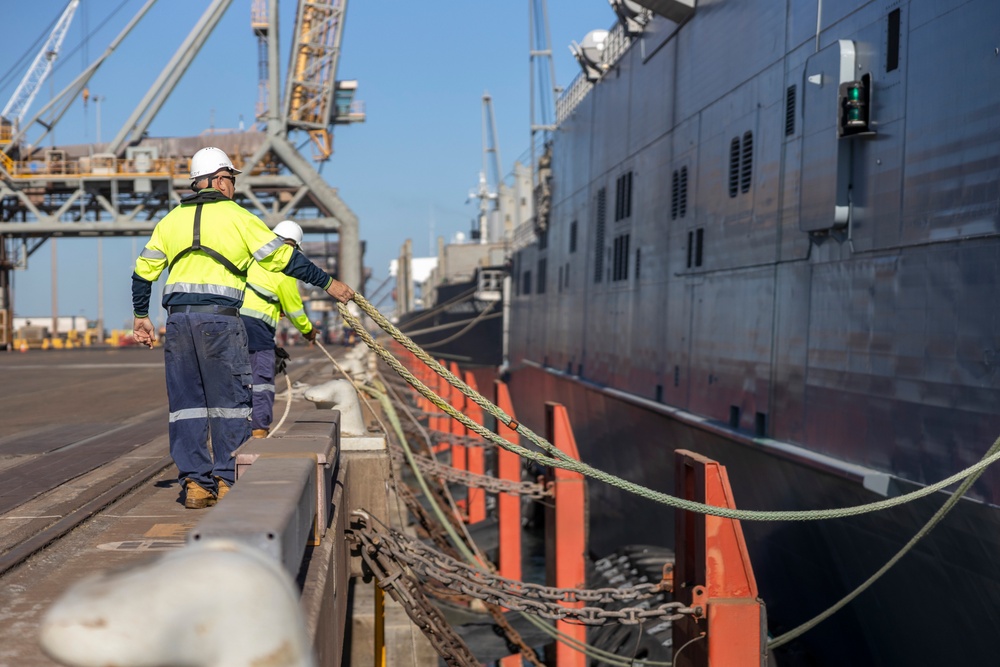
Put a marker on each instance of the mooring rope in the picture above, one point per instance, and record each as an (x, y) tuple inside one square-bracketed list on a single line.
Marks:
[(558, 459)]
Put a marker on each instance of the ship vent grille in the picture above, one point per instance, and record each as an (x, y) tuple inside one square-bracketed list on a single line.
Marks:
[(678, 195), (734, 166), (599, 240), (621, 252), (746, 162), (623, 197), (790, 110), (892, 35)]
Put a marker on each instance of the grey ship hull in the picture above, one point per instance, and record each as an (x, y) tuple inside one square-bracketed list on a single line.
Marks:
[(811, 311)]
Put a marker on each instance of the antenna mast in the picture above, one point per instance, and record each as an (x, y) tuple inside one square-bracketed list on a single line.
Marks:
[(489, 183), (543, 77)]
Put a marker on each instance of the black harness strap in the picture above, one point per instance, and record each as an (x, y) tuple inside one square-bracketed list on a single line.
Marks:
[(267, 297), (196, 245)]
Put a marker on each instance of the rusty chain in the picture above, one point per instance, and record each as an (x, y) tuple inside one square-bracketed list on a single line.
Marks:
[(439, 536), (405, 589), (443, 437), (434, 529), (542, 601), (491, 484)]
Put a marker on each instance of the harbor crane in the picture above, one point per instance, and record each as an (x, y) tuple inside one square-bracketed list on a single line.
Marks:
[(25, 92), (123, 187)]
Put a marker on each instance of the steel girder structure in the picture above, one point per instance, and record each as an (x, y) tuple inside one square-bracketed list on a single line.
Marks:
[(124, 187)]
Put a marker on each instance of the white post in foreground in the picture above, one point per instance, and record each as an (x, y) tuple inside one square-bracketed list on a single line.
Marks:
[(219, 603)]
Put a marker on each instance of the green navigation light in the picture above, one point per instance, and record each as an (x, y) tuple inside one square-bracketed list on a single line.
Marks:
[(854, 107)]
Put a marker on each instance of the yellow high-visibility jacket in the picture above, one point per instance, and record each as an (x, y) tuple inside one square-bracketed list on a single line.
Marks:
[(209, 254), (270, 294)]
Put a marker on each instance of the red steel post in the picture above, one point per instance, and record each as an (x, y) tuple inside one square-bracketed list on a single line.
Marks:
[(457, 400), (475, 456), (566, 532), (508, 504), (713, 571), (438, 424)]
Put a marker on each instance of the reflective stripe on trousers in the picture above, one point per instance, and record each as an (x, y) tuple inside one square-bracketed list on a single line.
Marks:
[(209, 390), (262, 363)]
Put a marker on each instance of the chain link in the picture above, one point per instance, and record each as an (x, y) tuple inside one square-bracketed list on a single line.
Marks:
[(543, 601), (441, 437), (405, 590), (491, 484), (438, 535)]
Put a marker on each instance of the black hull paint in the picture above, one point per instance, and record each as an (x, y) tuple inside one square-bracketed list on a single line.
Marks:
[(455, 337), (950, 580)]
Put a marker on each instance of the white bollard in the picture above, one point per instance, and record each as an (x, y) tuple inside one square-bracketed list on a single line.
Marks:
[(340, 395), (354, 367), (220, 603)]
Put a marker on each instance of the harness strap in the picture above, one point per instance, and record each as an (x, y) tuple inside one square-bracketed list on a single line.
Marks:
[(270, 298), (196, 245)]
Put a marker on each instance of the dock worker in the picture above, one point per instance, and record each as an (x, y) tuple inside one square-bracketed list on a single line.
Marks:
[(207, 244), (268, 295)]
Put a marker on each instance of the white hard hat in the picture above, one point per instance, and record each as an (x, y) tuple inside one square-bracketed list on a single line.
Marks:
[(289, 229), (209, 160)]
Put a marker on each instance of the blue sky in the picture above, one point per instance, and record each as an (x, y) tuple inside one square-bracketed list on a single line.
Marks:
[(422, 69)]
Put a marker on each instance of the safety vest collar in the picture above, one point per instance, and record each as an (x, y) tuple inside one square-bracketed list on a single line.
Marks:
[(205, 196)]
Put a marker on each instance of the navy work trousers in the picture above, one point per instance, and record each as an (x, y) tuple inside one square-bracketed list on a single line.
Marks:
[(262, 363), (208, 388)]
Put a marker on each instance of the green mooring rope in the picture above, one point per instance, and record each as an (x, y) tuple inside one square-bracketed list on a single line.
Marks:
[(971, 475), (558, 459)]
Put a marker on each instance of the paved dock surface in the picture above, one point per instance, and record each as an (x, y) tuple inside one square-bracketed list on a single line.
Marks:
[(86, 484)]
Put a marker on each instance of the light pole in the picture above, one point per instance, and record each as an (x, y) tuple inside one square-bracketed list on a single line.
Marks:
[(100, 241)]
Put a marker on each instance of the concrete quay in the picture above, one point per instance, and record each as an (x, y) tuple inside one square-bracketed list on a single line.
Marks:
[(134, 518)]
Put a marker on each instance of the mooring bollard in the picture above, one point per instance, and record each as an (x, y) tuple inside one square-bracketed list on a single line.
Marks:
[(166, 613)]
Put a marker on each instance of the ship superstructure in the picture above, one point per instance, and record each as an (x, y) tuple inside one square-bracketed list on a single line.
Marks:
[(771, 236)]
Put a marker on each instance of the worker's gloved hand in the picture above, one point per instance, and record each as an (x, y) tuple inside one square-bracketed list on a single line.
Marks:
[(310, 335), (280, 360)]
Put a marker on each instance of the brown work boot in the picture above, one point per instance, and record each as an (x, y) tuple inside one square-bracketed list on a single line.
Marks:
[(223, 487), (260, 433), (196, 497)]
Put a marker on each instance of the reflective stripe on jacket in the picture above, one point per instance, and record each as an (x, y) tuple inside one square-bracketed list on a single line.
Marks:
[(196, 277)]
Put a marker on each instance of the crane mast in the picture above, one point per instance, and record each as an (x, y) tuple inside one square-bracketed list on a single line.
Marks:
[(314, 99), (489, 188), (40, 67), (544, 92)]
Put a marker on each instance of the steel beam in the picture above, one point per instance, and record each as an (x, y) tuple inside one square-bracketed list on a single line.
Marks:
[(150, 105)]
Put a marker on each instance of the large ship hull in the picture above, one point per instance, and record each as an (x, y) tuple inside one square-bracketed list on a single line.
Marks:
[(733, 263), (911, 616)]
